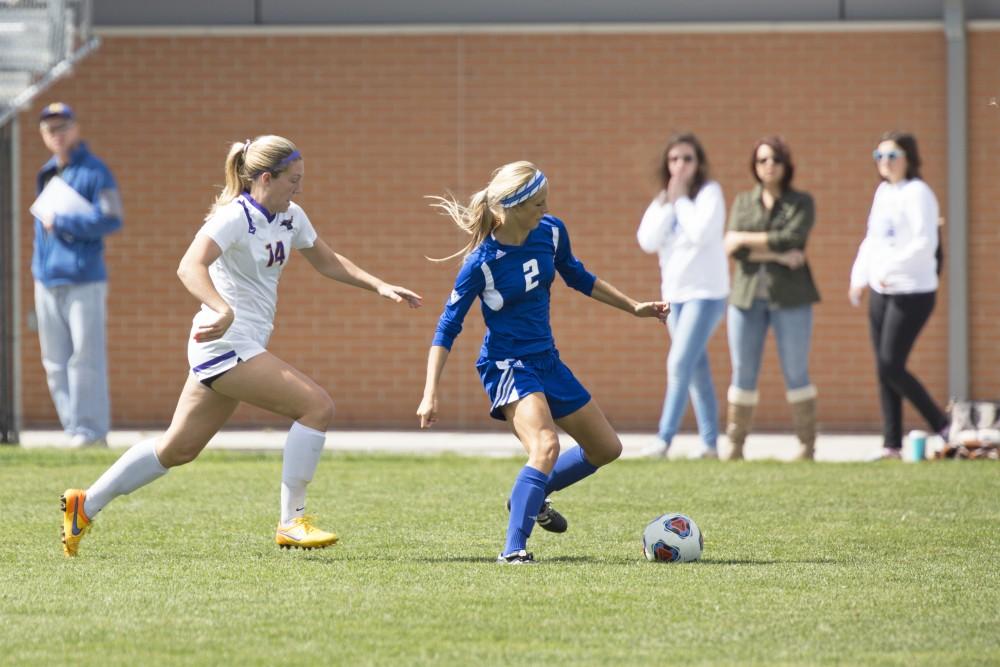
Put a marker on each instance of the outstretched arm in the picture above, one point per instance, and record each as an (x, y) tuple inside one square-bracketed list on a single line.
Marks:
[(427, 411), (607, 293), (339, 268)]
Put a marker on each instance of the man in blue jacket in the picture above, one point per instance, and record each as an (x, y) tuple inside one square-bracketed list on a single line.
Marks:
[(71, 281)]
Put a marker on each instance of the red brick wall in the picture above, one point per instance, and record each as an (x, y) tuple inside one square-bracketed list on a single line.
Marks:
[(385, 120), (984, 202)]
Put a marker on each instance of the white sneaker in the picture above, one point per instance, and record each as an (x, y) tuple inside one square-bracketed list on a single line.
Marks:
[(884, 454), (708, 452), (80, 441), (655, 450)]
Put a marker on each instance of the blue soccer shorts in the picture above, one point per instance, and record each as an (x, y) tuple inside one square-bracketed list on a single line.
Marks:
[(510, 380)]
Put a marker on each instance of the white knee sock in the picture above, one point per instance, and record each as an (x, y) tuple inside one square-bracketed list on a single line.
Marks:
[(303, 448), (136, 468)]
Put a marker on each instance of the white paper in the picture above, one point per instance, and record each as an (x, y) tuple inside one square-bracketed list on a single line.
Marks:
[(59, 198)]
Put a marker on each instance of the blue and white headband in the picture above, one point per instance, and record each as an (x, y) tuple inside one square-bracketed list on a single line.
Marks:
[(525, 191)]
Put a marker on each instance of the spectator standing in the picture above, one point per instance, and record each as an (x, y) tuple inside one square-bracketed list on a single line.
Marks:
[(772, 288), (71, 281), (684, 225), (899, 261)]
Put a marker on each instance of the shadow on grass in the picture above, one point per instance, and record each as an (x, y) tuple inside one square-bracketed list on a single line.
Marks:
[(629, 560), (573, 560), (479, 558), (763, 561), (542, 560)]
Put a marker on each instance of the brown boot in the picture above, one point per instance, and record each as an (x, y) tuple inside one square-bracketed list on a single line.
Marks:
[(804, 419), (739, 416)]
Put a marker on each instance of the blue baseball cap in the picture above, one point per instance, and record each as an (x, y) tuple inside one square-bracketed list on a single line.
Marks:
[(57, 110)]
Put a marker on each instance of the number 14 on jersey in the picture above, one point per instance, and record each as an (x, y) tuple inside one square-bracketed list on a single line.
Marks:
[(277, 253)]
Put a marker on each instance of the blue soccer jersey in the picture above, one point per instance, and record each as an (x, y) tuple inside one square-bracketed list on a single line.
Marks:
[(513, 284)]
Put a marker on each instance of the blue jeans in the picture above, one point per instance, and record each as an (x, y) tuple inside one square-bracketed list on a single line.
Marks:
[(72, 332), (747, 332), (691, 324)]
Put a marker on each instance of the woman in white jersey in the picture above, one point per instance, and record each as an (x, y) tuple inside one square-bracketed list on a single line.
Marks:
[(232, 267), (684, 226), (899, 261)]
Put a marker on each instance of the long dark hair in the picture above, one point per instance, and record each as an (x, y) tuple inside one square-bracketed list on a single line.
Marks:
[(782, 155), (908, 143), (700, 173)]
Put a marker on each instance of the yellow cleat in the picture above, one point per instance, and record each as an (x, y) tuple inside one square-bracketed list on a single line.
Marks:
[(75, 522), (299, 533)]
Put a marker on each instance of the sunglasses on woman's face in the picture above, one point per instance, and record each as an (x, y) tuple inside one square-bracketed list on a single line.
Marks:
[(680, 158), (891, 156), (773, 159)]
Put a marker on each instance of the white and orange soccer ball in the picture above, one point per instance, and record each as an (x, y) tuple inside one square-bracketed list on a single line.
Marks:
[(672, 538)]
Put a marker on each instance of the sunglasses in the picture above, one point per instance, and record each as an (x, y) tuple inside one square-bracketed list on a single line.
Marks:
[(891, 156), (773, 159), (680, 158), (59, 128)]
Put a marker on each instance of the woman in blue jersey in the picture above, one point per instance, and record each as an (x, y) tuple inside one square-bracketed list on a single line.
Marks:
[(232, 267), (510, 264)]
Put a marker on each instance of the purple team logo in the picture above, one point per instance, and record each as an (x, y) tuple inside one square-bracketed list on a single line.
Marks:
[(666, 553), (678, 525), (287, 224)]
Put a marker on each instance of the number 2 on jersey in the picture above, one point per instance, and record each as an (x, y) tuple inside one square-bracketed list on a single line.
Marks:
[(530, 272), (277, 253)]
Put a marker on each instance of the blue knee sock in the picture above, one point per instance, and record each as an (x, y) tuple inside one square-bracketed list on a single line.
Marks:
[(526, 497), (571, 466)]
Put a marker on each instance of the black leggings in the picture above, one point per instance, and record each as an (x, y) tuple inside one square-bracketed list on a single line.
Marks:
[(895, 321)]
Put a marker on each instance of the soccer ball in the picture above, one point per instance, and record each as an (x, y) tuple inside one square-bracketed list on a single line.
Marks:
[(672, 538)]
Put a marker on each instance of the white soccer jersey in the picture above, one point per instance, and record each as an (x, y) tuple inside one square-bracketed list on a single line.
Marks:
[(255, 250)]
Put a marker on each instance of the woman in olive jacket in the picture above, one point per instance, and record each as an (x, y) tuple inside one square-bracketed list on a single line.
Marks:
[(772, 287)]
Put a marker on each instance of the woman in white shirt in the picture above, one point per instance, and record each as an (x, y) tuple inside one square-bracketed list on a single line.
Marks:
[(232, 267), (899, 260), (684, 225)]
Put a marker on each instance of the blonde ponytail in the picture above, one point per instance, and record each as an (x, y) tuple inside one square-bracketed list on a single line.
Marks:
[(476, 219), (480, 217), (249, 159)]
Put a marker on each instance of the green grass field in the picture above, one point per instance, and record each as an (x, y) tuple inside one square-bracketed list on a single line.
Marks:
[(853, 564)]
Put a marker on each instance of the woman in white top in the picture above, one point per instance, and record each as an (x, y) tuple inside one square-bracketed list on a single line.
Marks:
[(232, 267), (899, 260), (684, 225)]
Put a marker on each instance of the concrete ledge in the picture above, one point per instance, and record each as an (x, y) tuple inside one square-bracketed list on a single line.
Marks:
[(858, 447)]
